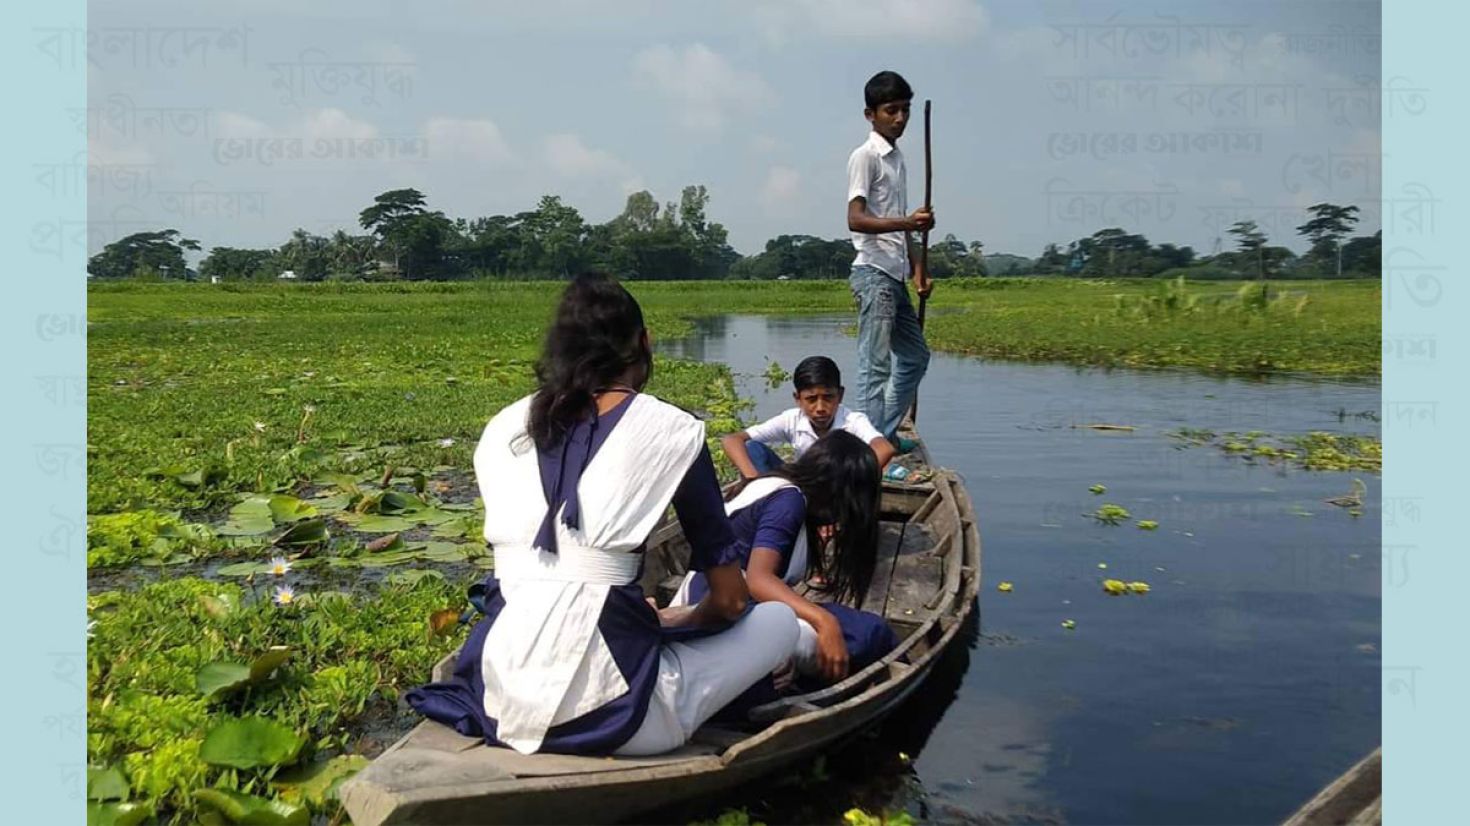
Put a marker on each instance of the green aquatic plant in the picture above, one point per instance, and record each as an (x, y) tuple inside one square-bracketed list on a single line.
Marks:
[(1110, 514)]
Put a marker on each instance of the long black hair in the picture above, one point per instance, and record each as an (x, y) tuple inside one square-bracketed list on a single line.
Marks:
[(594, 340), (839, 478)]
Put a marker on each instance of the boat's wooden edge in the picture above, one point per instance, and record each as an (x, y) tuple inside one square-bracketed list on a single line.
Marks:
[(1355, 798)]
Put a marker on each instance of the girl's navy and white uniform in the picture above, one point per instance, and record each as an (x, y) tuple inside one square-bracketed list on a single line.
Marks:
[(569, 657), (770, 512)]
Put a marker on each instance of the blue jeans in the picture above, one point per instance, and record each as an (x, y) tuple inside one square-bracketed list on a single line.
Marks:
[(892, 354), (764, 459)]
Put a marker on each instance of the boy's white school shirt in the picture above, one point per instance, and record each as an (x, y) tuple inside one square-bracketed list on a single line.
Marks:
[(794, 428), (876, 172)]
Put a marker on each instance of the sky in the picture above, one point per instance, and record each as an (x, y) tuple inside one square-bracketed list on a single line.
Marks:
[(236, 123)]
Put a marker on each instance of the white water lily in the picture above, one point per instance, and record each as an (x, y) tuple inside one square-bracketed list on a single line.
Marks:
[(260, 427), (309, 409), (279, 566), (446, 442), (91, 624), (285, 595)]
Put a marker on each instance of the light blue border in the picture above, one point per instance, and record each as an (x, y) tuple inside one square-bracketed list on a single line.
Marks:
[(1426, 562), (44, 689)]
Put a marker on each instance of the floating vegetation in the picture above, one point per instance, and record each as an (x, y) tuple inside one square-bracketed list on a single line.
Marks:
[(1147, 525), (1117, 587), (1098, 489), (1110, 514), (201, 693), (775, 375), (1005, 587), (1069, 624), (1314, 451)]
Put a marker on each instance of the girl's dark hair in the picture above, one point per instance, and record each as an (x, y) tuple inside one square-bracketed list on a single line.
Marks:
[(816, 371), (596, 336), (886, 87), (839, 478)]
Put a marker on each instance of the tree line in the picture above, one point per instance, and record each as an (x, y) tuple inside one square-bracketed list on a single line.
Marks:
[(402, 238)]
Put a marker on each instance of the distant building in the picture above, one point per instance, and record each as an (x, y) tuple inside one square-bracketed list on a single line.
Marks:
[(288, 275), (214, 279), (783, 278)]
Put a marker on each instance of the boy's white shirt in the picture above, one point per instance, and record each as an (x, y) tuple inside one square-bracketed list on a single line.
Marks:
[(876, 172), (794, 428)]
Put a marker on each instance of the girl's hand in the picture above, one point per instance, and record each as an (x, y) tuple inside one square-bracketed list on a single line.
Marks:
[(676, 616), (831, 651)]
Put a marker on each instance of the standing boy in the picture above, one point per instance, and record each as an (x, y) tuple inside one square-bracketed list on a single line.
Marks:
[(819, 410), (892, 353)]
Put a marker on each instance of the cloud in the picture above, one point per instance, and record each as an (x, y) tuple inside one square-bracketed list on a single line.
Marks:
[(701, 82), (477, 140), (929, 20), (781, 187), (331, 123), (235, 125), (569, 157)]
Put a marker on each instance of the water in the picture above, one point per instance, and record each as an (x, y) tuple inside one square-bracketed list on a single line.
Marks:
[(1248, 677)]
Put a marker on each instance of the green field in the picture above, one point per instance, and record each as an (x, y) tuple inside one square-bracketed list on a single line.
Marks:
[(333, 424)]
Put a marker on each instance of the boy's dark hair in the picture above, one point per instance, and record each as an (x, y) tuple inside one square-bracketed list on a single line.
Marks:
[(886, 87), (816, 371)]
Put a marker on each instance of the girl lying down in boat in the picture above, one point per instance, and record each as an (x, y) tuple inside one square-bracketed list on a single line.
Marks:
[(569, 657), (783, 519)]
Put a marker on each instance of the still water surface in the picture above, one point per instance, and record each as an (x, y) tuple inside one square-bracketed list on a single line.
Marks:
[(1244, 681)]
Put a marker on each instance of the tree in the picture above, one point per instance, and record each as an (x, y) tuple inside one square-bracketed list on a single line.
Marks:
[(230, 263), (1052, 260), (1329, 224), (1364, 255), (1251, 241), (161, 252), (307, 255), (388, 219)]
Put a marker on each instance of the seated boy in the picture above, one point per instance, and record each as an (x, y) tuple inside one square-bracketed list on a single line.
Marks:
[(819, 410)]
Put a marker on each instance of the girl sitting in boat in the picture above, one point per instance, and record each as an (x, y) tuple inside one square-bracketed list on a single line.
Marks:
[(815, 519), (569, 657)]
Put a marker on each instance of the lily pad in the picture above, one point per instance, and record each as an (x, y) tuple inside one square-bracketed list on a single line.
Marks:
[(250, 742), (117, 814), (387, 558), (376, 523), (445, 552), (249, 810), (330, 504), (215, 680), (285, 509), (305, 533), (250, 517), (262, 667), (395, 502), (455, 528), (106, 784), (318, 783), (243, 569)]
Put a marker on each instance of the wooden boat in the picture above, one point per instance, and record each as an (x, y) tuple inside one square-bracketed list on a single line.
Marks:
[(925, 586), (1355, 799)]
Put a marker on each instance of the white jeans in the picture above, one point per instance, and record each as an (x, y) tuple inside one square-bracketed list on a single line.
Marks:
[(700, 677)]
